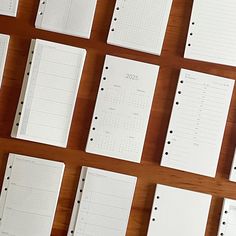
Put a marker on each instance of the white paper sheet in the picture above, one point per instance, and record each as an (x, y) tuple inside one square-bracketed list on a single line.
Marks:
[(212, 33), (140, 24), (197, 123), (4, 41), (102, 204), (122, 109), (227, 225), (232, 176), (49, 93), (29, 196), (73, 17), (8, 7), (178, 212)]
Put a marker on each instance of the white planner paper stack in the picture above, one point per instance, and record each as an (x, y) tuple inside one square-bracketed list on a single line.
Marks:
[(4, 41), (49, 92), (8, 7), (178, 212), (122, 109), (103, 203), (73, 17), (140, 24), (227, 225), (212, 32), (197, 123), (29, 196)]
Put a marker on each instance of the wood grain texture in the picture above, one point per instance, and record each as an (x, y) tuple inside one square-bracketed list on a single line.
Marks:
[(149, 171)]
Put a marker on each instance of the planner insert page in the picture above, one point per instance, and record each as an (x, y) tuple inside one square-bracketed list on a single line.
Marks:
[(29, 196), (73, 17), (102, 204), (178, 212), (140, 24), (122, 109), (211, 37), (197, 123), (8, 7), (4, 41), (49, 93)]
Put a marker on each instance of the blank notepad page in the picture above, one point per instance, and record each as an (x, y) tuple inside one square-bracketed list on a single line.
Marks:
[(49, 93), (4, 41), (102, 204), (8, 7), (29, 196), (212, 32), (140, 24), (73, 17), (122, 109), (197, 123), (178, 212)]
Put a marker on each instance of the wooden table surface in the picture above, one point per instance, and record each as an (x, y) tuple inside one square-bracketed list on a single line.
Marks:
[(149, 171)]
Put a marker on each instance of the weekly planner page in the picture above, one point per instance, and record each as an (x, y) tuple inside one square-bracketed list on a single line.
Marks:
[(197, 123), (4, 41), (140, 24), (29, 196), (103, 203), (73, 17), (49, 93), (122, 109), (212, 32), (8, 7)]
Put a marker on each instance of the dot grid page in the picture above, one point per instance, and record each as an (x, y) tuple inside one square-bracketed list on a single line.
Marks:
[(50, 95), (227, 226), (140, 24), (29, 198), (104, 204), (178, 212), (8, 7), (122, 109), (73, 17), (4, 41), (197, 123), (212, 38)]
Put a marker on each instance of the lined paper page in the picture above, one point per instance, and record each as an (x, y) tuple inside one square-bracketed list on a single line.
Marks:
[(122, 109), (232, 176), (29, 196), (8, 7), (4, 41), (227, 226), (50, 95), (212, 37), (140, 24), (73, 17), (197, 123), (103, 203), (178, 212)]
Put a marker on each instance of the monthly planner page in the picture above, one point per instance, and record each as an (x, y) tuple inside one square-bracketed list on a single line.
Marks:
[(140, 24), (197, 123), (212, 33), (178, 212), (103, 203), (4, 41), (73, 17), (29, 196), (122, 109), (8, 7), (47, 102)]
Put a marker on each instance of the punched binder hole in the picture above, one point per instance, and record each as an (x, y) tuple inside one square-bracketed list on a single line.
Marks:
[(8, 178), (223, 223), (72, 231), (43, 2), (158, 197), (115, 19), (112, 29), (5, 189), (104, 78), (191, 34), (22, 102), (235, 167), (226, 212), (117, 8), (177, 103), (81, 190), (96, 117), (168, 142), (10, 167), (78, 202), (17, 124), (221, 234), (102, 89), (28, 73), (91, 139), (193, 23), (155, 208), (189, 45), (153, 219), (19, 113), (171, 132), (40, 13), (181, 81), (106, 67), (166, 153), (30, 62), (179, 92), (83, 180), (93, 128)]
